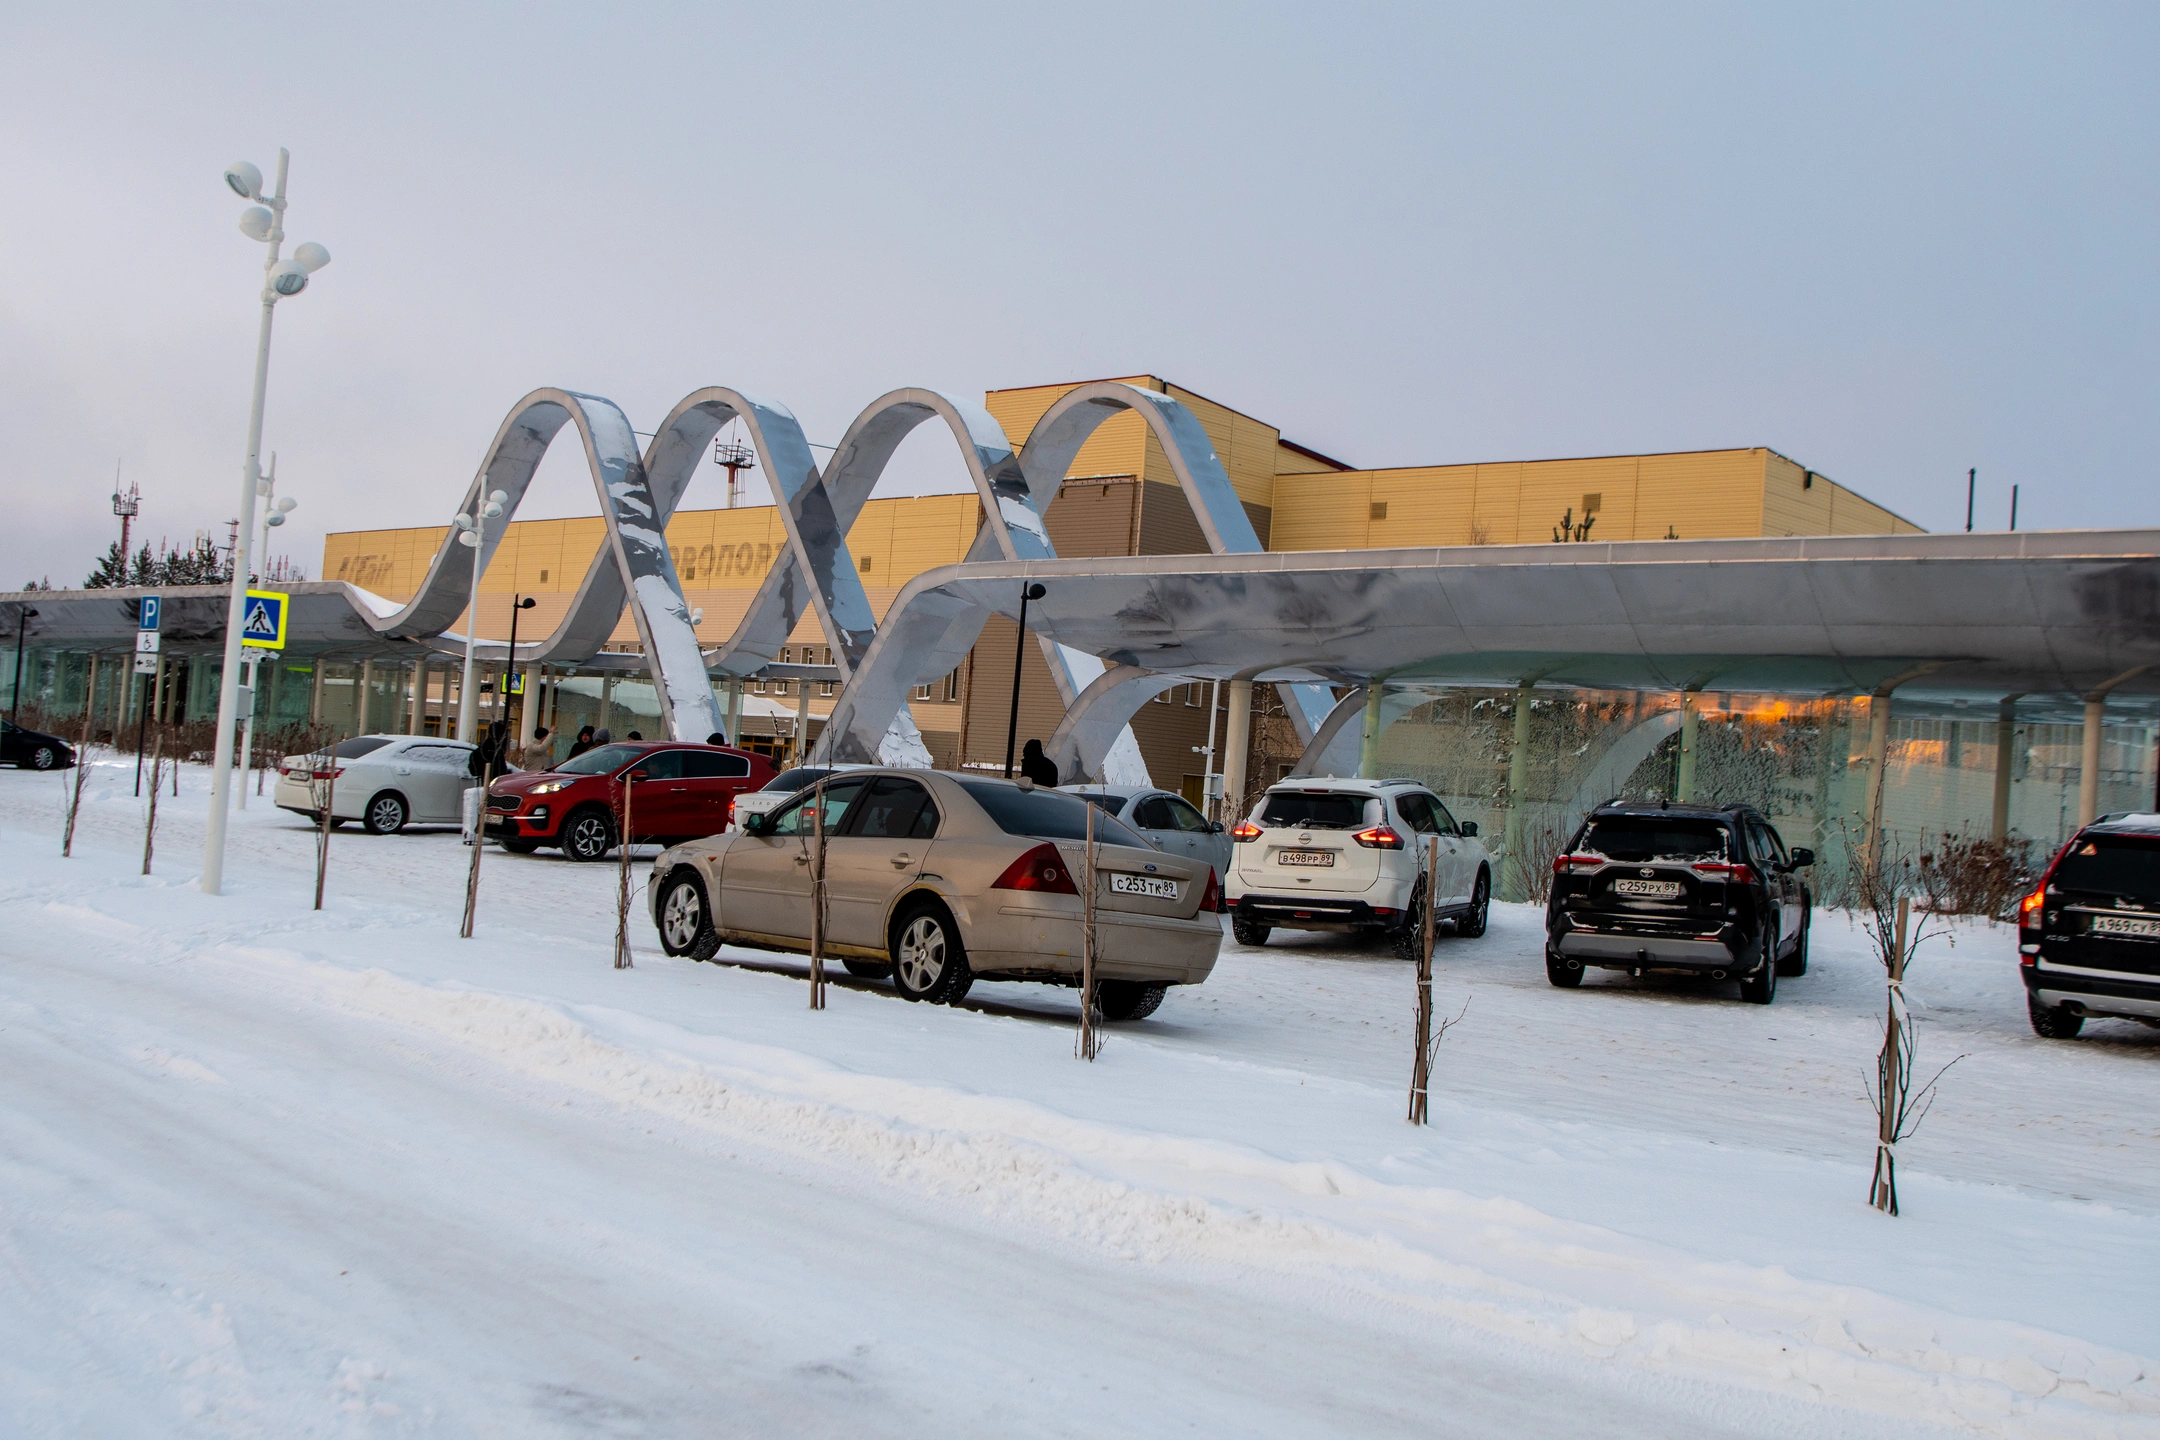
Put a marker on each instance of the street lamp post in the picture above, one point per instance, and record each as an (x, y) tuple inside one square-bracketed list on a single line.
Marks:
[(22, 619), (472, 534), (274, 509), (264, 221), (1012, 724), (517, 603)]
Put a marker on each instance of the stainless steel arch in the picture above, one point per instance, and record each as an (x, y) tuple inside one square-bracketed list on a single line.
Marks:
[(1094, 721), (633, 564), (1015, 501)]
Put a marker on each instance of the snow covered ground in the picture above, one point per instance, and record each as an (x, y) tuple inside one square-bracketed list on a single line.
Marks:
[(265, 1171)]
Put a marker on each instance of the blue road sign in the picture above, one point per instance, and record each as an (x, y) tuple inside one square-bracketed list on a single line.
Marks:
[(150, 608), (262, 623)]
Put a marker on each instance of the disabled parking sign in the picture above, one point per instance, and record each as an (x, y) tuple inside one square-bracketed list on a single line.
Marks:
[(262, 623)]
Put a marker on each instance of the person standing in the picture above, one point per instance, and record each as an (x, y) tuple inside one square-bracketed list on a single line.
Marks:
[(1037, 766), (583, 742)]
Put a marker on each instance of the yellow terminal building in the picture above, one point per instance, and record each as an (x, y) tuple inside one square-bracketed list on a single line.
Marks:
[(1119, 498)]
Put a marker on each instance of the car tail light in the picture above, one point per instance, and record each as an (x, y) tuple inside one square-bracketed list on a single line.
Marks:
[(1379, 837), (330, 774), (1211, 897), (1563, 864), (1245, 831), (2029, 909), (1041, 869), (1733, 874)]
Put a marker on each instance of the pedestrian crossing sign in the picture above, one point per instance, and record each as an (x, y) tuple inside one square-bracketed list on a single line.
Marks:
[(263, 621)]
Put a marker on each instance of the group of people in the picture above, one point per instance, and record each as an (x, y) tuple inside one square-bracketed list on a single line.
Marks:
[(495, 755)]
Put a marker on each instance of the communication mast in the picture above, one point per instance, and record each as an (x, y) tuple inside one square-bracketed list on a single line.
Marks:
[(734, 457), (125, 504)]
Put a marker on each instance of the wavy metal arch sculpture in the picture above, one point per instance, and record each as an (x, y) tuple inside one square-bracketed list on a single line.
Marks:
[(633, 564), (934, 638)]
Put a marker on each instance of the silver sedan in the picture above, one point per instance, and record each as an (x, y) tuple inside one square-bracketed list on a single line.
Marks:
[(940, 880), (1168, 822)]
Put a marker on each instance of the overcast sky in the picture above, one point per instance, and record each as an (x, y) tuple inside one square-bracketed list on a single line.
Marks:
[(1889, 245)]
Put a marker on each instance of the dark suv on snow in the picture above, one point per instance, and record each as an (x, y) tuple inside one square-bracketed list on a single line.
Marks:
[(2089, 936), (1679, 889)]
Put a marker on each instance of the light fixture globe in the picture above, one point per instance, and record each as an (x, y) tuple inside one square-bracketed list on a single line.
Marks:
[(245, 180), (310, 256), (274, 518), (288, 505), (288, 277), (467, 538), (256, 222)]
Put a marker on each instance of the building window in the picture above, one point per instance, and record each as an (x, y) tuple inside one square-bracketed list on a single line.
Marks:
[(787, 656), (952, 686), (1379, 509), (1192, 697), (757, 687), (780, 687), (826, 687), (866, 564), (1164, 698), (922, 692), (543, 577)]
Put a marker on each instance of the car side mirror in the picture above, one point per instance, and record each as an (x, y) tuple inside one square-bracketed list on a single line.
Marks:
[(1215, 827), (1802, 857), (1469, 829), (754, 823), (637, 775)]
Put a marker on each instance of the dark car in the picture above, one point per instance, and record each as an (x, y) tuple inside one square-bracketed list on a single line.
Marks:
[(29, 750), (1679, 890), (2089, 936), (679, 792)]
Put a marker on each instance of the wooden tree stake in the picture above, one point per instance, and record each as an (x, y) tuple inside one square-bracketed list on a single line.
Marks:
[(1089, 1041), (817, 896), (479, 843), (326, 776), (82, 765), (622, 891), (149, 839)]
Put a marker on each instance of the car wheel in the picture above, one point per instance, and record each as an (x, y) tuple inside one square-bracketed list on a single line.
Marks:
[(1411, 934), (1128, 999), (44, 758), (1472, 923), (1248, 932), (521, 847), (1560, 973), (588, 835), (1796, 963), (686, 920), (385, 814), (928, 960), (2054, 1022), (867, 969), (1760, 988)]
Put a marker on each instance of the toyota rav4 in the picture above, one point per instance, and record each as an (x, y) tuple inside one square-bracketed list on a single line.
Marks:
[(2089, 936)]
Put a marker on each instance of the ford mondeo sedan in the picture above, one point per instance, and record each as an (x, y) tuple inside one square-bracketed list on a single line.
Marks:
[(941, 880)]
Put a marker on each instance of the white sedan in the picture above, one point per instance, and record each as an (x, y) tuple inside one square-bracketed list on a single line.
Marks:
[(386, 782)]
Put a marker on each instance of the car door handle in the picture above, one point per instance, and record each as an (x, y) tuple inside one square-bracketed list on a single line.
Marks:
[(802, 859), (901, 861)]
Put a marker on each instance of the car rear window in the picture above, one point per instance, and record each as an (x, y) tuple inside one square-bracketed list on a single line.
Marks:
[(359, 745), (714, 765), (2125, 867), (1649, 837), (1314, 809), (1047, 814), (1108, 804)]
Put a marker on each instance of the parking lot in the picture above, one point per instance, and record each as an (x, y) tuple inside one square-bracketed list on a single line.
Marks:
[(1640, 1190)]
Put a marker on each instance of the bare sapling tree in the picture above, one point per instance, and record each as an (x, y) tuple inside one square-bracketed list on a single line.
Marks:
[(479, 843), (1421, 1060), (1880, 881), (149, 838), (322, 790), (622, 887), (82, 769), (817, 896), (1089, 1041)]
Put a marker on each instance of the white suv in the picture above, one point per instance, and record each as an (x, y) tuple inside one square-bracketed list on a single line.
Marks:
[(1352, 855)]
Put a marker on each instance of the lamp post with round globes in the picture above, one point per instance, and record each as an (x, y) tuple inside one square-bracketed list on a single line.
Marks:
[(472, 533), (23, 617), (264, 221)]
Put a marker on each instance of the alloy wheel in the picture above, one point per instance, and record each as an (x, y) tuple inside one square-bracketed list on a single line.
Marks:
[(921, 958), (682, 916)]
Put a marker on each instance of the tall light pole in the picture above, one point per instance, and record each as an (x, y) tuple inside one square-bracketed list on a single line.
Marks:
[(1012, 724), (274, 509), (265, 222), (472, 533)]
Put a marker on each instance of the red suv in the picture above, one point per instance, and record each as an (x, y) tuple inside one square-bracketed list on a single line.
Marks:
[(677, 792)]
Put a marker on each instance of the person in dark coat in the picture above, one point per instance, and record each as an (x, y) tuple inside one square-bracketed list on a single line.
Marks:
[(580, 745), (1037, 766), (716, 738)]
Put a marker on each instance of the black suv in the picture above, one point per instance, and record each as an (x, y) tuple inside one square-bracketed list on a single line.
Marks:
[(1680, 889), (2089, 937)]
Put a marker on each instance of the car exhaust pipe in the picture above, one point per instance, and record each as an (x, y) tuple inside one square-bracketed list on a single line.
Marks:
[(1574, 964), (1717, 974)]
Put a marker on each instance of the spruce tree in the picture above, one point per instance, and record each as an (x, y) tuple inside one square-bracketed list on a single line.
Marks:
[(111, 571)]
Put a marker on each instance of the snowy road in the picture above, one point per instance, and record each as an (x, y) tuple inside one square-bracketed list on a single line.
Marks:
[(271, 1172)]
